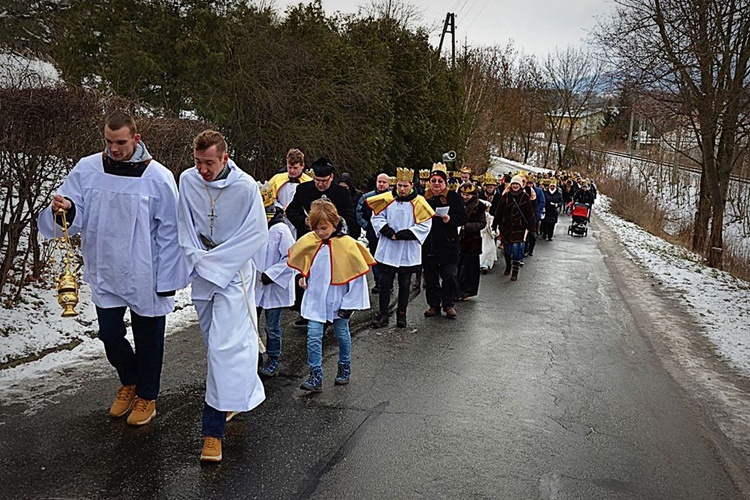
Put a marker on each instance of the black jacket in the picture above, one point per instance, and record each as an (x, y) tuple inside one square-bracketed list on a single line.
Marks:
[(441, 245), (306, 193)]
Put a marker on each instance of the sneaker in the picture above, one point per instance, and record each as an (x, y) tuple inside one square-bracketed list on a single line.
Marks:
[(270, 368), (450, 312), (380, 319), (144, 411), (343, 374), (231, 415), (401, 319), (211, 451), (300, 322), (432, 312), (314, 382), (123, 402)]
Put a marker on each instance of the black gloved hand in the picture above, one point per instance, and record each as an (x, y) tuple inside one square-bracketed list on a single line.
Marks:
[(405, 234), (345, 313), (265, 279), (387, 231), (166, 294)]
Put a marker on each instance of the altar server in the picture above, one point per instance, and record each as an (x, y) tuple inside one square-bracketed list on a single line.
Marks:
[(222, 227), (124, 204)]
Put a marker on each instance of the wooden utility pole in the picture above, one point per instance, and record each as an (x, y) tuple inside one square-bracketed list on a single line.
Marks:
[(449, 26)]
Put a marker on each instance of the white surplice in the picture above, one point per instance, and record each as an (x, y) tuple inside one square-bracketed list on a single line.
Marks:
[(397, 253), (223, 280), (128, 229), (272, 261), (322, 300)]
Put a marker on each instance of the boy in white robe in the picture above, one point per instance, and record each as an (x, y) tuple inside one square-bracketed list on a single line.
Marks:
[(333, 267), (124, 204), (274, 288), (402, 219), (222, 227)]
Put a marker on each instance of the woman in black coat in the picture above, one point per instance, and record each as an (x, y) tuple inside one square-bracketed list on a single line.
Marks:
[(470, 241), (553, 203), (514, 217), (440, 249)]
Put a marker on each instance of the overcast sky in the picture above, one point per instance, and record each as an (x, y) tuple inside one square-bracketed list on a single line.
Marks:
[(535, 26)]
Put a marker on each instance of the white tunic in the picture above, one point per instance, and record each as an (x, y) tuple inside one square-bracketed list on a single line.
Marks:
[(272, 261), (284, 196), (223, 280), (489, 245), (128, 229), (322, 300), (400, 253)]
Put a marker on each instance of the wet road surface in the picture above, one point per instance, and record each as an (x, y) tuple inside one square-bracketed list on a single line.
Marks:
[(546, 388)]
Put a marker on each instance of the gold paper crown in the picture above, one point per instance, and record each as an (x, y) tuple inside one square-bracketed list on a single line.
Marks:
[(453, 186), (267, 192), (489, 178), (465, 170), (467, 187), (424, 173), (439, 167), (404, 174), (309, 172), (392, 180)]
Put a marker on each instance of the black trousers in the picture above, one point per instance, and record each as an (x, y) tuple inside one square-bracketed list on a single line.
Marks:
[(548, 229), (441, 284), (385, 282), (468, 275), (140, 366)]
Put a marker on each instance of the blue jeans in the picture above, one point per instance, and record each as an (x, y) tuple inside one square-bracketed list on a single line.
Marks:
[(315, 342), (141, 366), (514, 250), (273, 332), (214, 422)]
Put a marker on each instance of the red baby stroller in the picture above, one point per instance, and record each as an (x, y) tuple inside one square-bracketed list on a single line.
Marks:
[(580, 219)]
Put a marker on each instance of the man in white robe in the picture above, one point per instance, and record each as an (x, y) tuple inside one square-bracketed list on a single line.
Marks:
[(285, 184), (402, 222), (222, 227), (124, 204)]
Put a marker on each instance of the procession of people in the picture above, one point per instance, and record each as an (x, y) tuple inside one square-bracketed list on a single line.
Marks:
[(251, 249)]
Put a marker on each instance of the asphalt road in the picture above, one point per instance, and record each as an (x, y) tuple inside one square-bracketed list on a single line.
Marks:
[(547, 388)]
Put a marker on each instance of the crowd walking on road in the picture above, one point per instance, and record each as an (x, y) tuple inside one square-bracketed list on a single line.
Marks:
[(305, 239)]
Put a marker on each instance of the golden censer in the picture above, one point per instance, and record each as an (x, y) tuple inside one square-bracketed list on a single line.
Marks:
[(66, 278)]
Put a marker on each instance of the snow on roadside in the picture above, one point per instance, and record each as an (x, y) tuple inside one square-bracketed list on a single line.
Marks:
[(715, 299)]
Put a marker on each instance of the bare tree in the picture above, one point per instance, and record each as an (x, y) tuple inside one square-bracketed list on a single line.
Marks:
[(692, 55), (572, 77)]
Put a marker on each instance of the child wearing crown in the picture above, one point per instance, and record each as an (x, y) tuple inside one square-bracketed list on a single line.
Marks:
[(333, 266), (402, 219), (275, 287)]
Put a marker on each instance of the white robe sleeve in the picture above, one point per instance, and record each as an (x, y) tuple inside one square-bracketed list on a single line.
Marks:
[(358, 295), (422, 230), (280, 272), (378, 222), (171, 268), (72, 190)]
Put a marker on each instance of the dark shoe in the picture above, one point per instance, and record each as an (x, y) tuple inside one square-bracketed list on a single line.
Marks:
[(450, 312), (300, 322), (270, 368), (401, 319), (380, 319), (343, 374), (432, 312), (530, 254), (516, 268), (375, 289), (550, 238), (508, 264), (314, 382)]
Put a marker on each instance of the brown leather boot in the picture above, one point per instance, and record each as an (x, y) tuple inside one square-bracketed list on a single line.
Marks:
[(432, 312), (450, 312), (401, 319), (507, 265)]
